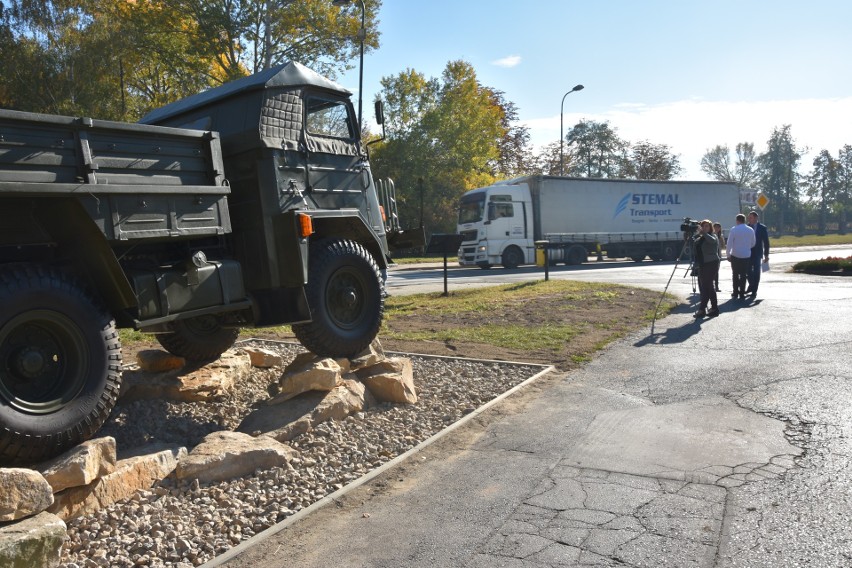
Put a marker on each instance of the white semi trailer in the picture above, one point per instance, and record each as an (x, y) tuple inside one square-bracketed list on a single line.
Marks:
[(635, 219)]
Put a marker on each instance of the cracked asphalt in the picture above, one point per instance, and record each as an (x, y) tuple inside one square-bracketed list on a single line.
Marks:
[(717, 443)]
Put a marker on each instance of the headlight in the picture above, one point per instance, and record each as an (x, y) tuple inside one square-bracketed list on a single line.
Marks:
[(481, 248)]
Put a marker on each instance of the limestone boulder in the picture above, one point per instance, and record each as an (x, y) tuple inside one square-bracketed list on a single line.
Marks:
[(294, 417), (263, 358), (35, 541), (390, 380), (309, 372), (139, 472), (159, 361), (80, 465), (25, 492), (228, 455), (191, 384), (374, 353)]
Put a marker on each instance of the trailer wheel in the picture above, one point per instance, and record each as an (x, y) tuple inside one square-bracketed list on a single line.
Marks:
[(198, 339), (576, 255), (60, 362), (346, 297), (636, 257), (670, 251), (512, 257)]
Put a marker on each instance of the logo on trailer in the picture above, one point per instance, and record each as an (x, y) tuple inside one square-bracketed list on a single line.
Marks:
[(622, 205)]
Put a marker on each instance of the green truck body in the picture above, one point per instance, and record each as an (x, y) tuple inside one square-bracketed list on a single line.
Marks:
[(251, 204)]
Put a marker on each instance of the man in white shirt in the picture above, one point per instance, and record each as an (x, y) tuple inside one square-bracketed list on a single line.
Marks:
[(740, 240)]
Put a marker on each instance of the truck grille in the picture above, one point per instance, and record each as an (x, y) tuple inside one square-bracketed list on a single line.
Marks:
[(469, 235)]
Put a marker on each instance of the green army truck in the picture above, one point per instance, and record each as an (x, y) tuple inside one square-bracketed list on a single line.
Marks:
[(251, 204)]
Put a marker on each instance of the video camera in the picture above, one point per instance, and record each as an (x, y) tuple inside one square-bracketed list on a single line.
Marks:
[(689, 226)]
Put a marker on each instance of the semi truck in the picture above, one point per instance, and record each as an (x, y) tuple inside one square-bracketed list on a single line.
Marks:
[(250, 204), (574, 218)]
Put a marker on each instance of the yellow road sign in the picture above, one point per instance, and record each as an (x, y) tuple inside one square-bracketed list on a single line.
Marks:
[(762, 201)]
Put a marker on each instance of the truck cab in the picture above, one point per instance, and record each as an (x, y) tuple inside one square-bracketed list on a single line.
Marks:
[(496, 224)]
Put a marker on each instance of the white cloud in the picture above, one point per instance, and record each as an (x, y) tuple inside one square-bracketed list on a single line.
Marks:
[(692, 127), (510, 61)]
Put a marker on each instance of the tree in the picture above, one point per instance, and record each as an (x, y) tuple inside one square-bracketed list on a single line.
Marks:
[(745, 172), (120, 59), (844, 190), (449, 135), (823, 185), (652, 161), (515, 154), (780, 179), (599, 151)]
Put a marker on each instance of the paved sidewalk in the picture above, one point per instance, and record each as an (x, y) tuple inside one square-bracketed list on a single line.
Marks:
[(723, 442)]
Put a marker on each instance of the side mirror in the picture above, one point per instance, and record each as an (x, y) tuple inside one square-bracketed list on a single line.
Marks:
[(492, 213), (380, 112)]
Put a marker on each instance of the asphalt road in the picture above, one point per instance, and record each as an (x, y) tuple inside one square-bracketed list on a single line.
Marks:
[(405, 279), (710, 443)]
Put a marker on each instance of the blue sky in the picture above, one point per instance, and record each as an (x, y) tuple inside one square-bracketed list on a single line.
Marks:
[(688, 74)]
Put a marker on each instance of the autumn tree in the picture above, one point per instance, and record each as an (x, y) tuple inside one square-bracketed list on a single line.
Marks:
[(745, 171), (444, 136), (652, 162)]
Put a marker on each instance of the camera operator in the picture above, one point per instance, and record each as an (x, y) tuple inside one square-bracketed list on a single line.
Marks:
[(706, 247)]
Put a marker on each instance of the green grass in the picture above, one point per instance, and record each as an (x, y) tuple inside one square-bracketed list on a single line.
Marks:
[(810, 240)]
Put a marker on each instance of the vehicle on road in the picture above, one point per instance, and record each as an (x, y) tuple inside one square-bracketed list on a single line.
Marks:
[(579, 217), (251, 204)]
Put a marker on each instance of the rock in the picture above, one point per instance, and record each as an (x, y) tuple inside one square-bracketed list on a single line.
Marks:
[(391, 380), (25, 493), (370, 356), (80, 465), (263, 358), (158, 361), (227, 455), (36, 541), (308, 372), (301, 414), (139, 472), (189, 385)]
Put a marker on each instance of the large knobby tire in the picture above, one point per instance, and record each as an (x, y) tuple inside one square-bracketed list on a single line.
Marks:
[(512, 257), (198, 339), (346, 296), (60, 363)]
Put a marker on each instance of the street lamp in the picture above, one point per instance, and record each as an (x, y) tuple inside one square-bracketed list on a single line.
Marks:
[(362, 35), (562, 136)]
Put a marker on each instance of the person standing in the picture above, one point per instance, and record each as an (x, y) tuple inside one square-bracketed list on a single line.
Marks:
[(740, 241), (759, 252), (717, 230), (707, 257)]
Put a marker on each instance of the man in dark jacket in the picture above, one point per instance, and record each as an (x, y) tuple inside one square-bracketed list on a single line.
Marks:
[(759, 252)]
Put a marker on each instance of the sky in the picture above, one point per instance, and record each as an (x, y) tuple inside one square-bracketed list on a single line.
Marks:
[(688, 74)]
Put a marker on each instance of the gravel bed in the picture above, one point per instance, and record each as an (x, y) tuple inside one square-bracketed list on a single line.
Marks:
[(186, 524)]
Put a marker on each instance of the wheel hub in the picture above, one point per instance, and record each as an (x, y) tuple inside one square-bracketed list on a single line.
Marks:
[(30, 363)]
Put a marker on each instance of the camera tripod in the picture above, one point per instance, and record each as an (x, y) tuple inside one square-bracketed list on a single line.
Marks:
[(692, 270)]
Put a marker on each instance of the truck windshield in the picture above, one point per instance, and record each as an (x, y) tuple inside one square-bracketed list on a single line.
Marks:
[(471, 208)]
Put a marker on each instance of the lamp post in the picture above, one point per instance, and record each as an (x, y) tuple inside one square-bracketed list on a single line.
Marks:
[(561, 135), (362, 35)]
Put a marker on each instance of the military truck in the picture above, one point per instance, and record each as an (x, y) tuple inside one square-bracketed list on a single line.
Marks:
[(250, 204)]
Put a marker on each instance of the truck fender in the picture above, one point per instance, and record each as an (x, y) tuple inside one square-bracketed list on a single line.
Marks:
[(67, 221), (349, 226)]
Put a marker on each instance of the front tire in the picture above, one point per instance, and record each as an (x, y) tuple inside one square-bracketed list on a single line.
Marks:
[(60, 363), (346, 297), (198, 339), (512, 257)]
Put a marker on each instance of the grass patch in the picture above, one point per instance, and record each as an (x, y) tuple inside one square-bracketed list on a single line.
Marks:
[(831, 264), (810, 240)]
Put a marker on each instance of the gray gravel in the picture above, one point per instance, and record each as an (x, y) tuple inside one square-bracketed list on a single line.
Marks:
[(185, 524)]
